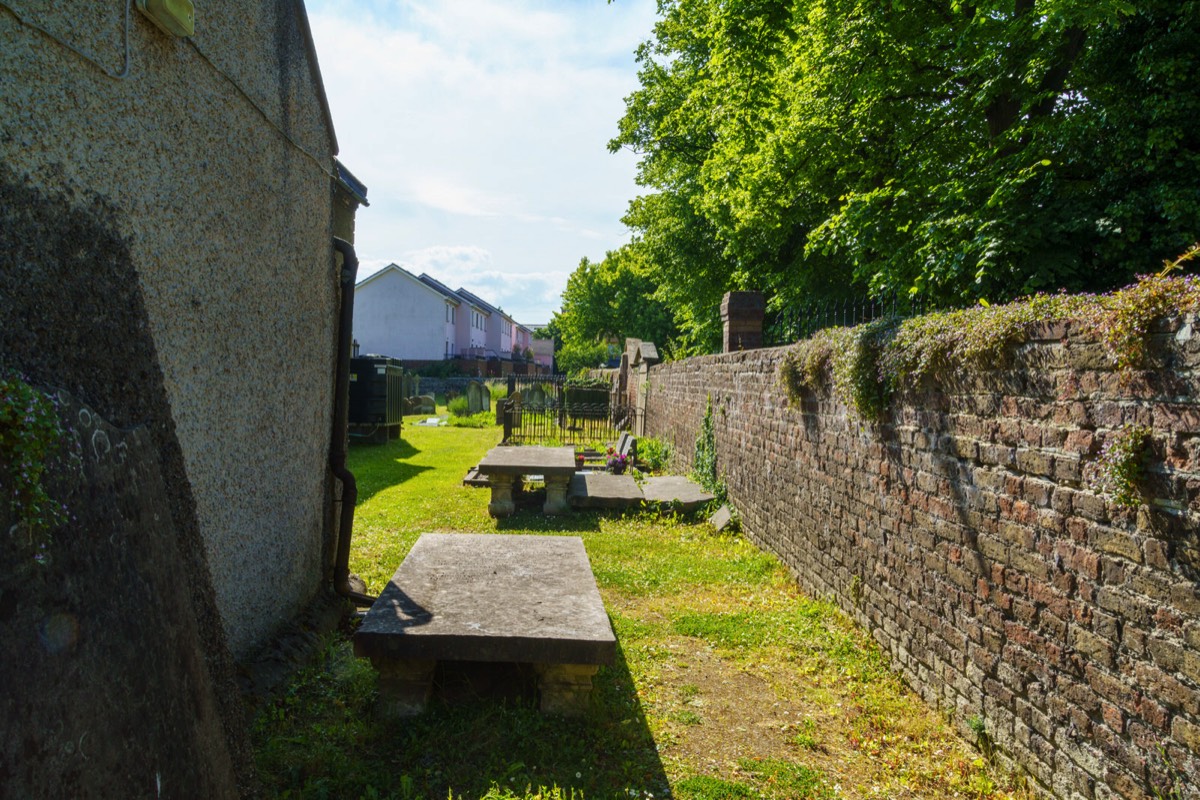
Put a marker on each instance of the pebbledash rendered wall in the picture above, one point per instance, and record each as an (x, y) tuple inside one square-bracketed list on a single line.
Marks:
[(963, 532), (212, 160)]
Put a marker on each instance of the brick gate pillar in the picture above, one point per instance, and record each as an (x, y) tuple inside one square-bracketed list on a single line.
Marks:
[(742, 316)]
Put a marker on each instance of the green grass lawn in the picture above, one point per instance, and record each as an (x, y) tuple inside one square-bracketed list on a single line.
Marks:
[(729, 682)]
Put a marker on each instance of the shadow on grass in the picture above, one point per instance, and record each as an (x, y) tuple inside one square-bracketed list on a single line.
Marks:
[(502, 740), (530, 517), (381, 466), (482, 730)]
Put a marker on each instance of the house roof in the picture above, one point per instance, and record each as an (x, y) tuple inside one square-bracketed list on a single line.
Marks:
[(483, 304), (439, 287), (346, 178), (396, 269)]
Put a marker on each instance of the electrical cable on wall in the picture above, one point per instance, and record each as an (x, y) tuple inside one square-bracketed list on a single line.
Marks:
[(122, 75), (260, 110)]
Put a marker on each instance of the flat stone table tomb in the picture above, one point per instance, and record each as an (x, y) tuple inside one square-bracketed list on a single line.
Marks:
[(495, 598), (505, 465)]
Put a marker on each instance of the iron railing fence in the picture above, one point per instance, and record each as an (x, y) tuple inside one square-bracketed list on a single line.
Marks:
[(554, 422), (550, 385), (793, 323)]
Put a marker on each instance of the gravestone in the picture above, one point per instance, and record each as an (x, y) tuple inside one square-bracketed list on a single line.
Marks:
[(485, 399), (722, 519), (536, 396), (428, 405), (475, 392), (675, 491), (627, 446), (412, 384), (601, 490), (491, 598)]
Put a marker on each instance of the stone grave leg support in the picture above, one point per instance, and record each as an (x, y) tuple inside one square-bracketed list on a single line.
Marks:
[(556, 495), (404, 686), (502, 499), (565, 688)]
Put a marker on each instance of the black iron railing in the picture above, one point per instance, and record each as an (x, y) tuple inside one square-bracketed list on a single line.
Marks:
[(551, 421), (794, 323)]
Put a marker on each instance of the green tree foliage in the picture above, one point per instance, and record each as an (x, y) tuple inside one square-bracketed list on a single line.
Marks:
[(611, 299), (939, 148), (575, 357)]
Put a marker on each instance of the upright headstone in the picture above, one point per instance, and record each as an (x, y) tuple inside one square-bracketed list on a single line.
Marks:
[(535, 397), (475, 392)]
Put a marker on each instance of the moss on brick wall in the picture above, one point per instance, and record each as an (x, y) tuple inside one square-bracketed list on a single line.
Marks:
[(965, 530)]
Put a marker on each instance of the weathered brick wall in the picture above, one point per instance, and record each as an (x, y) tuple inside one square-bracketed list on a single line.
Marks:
[(962, 530)]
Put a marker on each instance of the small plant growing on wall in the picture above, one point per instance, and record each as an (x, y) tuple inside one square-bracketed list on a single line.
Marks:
[(29, 433), (983, 740), (704, 458), (1122, 465)]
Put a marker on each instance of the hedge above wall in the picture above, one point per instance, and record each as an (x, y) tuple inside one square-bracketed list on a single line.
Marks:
[(970, 529)]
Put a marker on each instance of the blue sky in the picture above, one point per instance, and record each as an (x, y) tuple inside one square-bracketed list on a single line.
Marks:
[(480, 128)]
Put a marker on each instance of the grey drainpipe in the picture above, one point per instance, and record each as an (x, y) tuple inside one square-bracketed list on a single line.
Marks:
[(337, 447)]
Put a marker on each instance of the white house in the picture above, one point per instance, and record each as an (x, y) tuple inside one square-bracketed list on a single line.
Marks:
[(397, 314), (498, 326), (469, 336)]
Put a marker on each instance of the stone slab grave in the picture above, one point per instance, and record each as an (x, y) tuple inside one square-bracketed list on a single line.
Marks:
[(497, 598), (601, 490), (474, 480), (675, 491), (504, 465)]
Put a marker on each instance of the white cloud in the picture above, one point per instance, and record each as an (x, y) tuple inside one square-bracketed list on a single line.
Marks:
[(442, 193), (483, 124)]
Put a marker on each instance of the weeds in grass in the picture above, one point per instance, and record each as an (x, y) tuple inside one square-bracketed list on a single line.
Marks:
[(785, 779), (484, 419), (705, 787), (806, 736), (654, 454)]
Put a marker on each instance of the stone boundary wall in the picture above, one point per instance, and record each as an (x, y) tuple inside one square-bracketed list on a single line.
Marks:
[(963, 532), (440, 386)]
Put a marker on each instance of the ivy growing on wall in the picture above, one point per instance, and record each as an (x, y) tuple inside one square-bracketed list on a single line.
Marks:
[(29, 433), (867, 363)]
